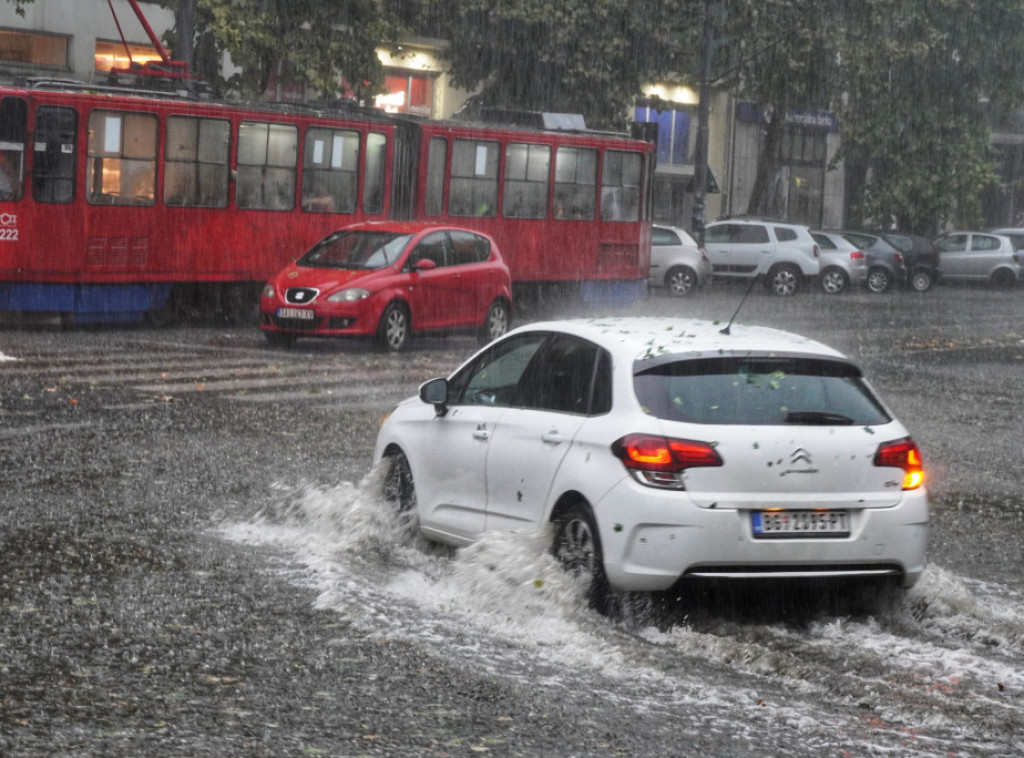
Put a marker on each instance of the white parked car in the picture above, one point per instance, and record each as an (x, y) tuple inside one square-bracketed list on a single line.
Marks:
[(678, 263), (664, 450), (785, 255)]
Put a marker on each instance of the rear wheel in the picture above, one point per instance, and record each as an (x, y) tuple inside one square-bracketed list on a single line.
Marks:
[(784, 280), (496, 323), (834, 280), (1004, 278), (680, 281), (577, 547), (879, 280), (393, 331)]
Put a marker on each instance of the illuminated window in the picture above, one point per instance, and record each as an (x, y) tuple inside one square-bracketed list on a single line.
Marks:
[(111, 55), (121, 169), (407, 93), (34, 49)]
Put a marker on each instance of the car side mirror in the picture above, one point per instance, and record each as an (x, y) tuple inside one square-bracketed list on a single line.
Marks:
[(424, 264), (435, 392)]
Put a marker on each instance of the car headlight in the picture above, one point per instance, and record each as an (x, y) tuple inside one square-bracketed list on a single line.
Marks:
[(268, 291), (349, 295)]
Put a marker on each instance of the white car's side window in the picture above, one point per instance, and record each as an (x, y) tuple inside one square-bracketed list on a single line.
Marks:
[(493, 379)]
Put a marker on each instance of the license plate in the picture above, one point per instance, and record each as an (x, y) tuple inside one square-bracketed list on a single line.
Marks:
[(299, 313), (768, 524)]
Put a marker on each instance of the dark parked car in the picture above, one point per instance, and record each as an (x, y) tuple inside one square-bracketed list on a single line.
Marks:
[(920, 259), (885, 261)]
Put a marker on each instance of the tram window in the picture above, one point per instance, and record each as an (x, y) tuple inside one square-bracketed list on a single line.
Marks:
[(13, 121), (121, 169), (527, 173), (575, 183), (474, 182), (620, 186), (267, 157), (436, 159), (330, 174), (53, 161), (196, 162), (376, 164)]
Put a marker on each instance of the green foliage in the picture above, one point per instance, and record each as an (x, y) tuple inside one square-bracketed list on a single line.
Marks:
[(581, 56), (324, 44), (19, 5)]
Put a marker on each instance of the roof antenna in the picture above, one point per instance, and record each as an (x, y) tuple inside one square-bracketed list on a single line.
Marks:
[(728, 327)]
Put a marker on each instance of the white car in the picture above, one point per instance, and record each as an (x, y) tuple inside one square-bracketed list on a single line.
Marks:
[(784, 255), (678, 263), (664, 450)]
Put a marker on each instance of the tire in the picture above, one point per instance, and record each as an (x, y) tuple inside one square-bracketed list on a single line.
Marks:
[(280, 339), (394, 329), (879, 280), (784, 280), (680, 281), (399, 489), (834, 280), (496, 323), (1004, 278), (577, 547), (922, 280)]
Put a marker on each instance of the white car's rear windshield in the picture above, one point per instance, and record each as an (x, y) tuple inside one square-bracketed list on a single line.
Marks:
[(758, 391)]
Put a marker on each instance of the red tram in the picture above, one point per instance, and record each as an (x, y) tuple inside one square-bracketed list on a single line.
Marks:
[(115, 205)]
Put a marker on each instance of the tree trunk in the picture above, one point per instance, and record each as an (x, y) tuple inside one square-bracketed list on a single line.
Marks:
[(763, 196)]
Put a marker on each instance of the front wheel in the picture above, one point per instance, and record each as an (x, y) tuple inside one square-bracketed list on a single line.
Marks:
[(922, 280), (496, 322), (879, 280), (680, 281), (394, 329), (784, 280), (399, 489), (577, 547)]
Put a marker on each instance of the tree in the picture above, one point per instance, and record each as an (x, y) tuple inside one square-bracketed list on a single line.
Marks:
[(782, 55), (324, 44), (915, 139), (583, 56), (19, 5)]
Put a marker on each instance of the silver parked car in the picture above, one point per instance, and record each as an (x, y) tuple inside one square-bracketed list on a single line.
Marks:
[(979, 257), (843, 264), (678, 263)]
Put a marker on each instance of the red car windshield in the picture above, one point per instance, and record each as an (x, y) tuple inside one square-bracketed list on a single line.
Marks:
[(356, 249)]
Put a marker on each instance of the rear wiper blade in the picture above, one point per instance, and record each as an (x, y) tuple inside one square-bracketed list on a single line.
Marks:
[(817, 418)]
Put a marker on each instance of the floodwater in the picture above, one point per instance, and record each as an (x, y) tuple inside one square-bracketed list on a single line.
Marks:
[(939, 672)]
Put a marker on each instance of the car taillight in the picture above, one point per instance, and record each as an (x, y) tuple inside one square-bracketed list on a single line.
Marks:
[(898, 258), (857, 255), (660, 461), (902, 454)]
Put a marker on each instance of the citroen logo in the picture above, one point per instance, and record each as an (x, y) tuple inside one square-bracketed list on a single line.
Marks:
[(800, 456)]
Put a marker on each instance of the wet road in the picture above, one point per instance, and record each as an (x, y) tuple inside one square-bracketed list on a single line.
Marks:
[(192, 563)]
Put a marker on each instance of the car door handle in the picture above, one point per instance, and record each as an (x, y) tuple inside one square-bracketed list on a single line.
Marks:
[(481, 433), (554, 437)]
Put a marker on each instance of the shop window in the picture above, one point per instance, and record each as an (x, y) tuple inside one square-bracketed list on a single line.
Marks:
[(674, 134), (407, 93), (117, 55), (121, 166), (196, 162), (34, 49)]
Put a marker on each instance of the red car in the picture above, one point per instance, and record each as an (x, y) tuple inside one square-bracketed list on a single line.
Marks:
[(388, 280)]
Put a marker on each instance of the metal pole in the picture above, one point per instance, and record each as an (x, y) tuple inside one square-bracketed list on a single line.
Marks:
[(700, 164)]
